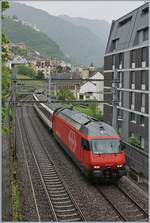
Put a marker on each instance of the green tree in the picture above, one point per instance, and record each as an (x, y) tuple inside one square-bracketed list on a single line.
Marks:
[(4, 6), (25, 70), (65, 95), (6, 82)]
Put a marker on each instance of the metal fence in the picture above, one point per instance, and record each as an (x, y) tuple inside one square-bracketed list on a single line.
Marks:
[(136, 159)]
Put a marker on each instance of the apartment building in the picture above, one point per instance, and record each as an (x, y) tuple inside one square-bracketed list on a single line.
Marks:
[(127, 56), (46, 66)]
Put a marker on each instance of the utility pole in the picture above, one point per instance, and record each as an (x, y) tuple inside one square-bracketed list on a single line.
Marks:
[(49, 88), (115, 99)]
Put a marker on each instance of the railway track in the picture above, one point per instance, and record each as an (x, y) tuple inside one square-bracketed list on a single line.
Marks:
[(127, 208), (62, 205)]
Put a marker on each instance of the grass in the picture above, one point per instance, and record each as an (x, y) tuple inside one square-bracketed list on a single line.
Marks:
[(30, 84), (16, 201)]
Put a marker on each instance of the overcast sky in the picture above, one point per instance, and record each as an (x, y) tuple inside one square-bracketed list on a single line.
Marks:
[(103, 10)]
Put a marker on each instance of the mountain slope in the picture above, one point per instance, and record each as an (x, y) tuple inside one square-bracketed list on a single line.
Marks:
[(38, 41), (98, 27), (77, 42)]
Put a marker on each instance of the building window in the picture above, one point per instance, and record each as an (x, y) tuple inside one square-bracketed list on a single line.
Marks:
[(143, 77), (145, 34), (113, 60), (120, 79), (133, 117), (144, 54), (142, 120), (145, 11), (120, 114), (133, 80), (81, 97), (142, 142), (124, 21), (115, 43), (120, 60), (120, 98), (132, 100), (143, 80), (142, 102), (133, 57)]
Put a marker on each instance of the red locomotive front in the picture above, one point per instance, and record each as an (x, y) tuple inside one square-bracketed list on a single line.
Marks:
[(94, 146)]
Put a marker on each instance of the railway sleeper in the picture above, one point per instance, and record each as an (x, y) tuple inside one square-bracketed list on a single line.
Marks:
[(71, 220), (63, 206), (66, 210), (61, 202), (59, 195), (60, 198), (67, 215)]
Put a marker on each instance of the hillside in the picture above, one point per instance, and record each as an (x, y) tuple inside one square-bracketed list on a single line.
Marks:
[(35, 40), (78, 43), (100, 28)]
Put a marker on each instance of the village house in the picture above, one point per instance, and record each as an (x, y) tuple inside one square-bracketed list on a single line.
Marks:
[(93, 90)]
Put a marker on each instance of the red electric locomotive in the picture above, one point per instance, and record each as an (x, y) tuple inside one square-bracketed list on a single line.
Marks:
[(93, 145)]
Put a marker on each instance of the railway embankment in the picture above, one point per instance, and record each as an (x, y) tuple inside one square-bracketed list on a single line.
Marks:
[(6, 174)]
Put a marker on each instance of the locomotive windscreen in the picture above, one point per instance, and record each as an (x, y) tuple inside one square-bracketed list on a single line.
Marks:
[(105, 146)]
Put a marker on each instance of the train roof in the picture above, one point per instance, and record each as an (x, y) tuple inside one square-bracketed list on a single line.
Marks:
[(75, 116), (88, 125), (52, 106), (98, 129)]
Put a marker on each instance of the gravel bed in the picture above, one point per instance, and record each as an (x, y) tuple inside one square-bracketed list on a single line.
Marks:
[(135, 192), (91, 202), (93, 205), (27, 201), (28, 205)]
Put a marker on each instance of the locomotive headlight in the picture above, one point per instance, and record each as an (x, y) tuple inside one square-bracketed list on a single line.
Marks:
[(119, 165), (96, 167)]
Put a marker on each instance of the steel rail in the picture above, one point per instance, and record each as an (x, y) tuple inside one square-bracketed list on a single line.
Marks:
[(123, 218), (64, 184), (39, 171), (129, 199), (133, 200), (29, 174)]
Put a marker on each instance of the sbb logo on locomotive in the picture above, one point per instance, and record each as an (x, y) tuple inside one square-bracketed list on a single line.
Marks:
[(72, 140)]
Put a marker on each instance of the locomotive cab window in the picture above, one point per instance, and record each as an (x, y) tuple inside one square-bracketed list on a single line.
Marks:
[(105, 146), (85, 144)]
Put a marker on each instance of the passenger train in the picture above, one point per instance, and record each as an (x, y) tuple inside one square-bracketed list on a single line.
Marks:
[(93, 145)]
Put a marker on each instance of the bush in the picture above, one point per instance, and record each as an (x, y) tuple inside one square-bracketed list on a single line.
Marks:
[(27, 71), (134, 141), (65, 95)]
